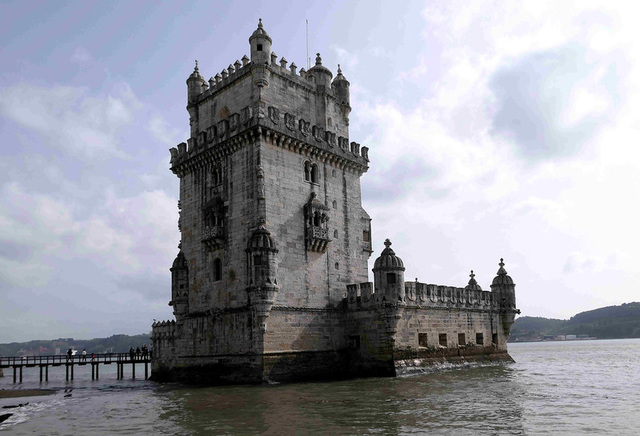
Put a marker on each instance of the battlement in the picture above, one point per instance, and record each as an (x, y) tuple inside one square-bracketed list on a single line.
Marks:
[(163, 329), (363, 295)]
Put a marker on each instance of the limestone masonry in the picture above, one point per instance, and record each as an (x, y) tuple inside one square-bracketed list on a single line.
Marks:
[(270, 283)]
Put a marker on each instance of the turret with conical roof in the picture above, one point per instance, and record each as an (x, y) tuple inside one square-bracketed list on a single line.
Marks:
[(260, 42), (473, 284), (340, 86), (388, 275), (321, 74), (504, 293), (195, 84)]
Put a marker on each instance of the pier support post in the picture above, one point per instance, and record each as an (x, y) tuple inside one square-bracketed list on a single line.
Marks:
[(20, 373), (146, 370), (46, 373), (72, 372), (40, 373), (67, 372), (97, 370), (133, 370), (14, 373)]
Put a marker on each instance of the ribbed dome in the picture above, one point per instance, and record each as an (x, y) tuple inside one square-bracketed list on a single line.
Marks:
[(473, 285), (180, 262), (261, 240), (260, 32), (388, 259), (196, 75), (502, 278), (340, 77), (318, 67)]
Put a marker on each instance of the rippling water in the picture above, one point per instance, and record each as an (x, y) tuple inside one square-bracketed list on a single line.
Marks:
[(582, 387)]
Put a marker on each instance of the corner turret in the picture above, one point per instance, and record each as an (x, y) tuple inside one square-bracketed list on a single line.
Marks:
[(504, 292), (180, 286), (340, 86), (321, 74), (260, 42), (388, 276), (262, 272), (195, 85)]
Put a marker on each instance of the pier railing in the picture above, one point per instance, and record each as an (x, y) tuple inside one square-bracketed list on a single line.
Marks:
[(94, 360)]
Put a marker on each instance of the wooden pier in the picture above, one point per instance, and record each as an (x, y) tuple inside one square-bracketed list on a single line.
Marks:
[(95, 360)]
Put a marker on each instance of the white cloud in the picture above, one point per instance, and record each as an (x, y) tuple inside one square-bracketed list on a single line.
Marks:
[(71, 119)]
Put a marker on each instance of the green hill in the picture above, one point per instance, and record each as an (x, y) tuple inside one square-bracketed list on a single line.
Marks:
[(612, 322), (115, 344)]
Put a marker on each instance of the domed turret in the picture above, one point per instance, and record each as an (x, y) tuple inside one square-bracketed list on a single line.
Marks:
[(502, 278), (195, 84), (179, 286), (322, 74), (262, 268), (388, 275), (260, 42), (340, 86), (473, 285), (504, 288)]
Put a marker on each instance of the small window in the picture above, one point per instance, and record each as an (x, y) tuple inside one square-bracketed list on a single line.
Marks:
[(335, 204), (307, 171), (354, 342), (391, 278), (442, 339), (366, 236), (259, 47), (314, 173), (479, 339), (217, 270), (335, 234), (462, 340), (337, 265), (494, 338), (333, 173), (422, 339), (329, 122)]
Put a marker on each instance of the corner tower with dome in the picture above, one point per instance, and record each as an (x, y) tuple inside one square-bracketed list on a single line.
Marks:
[(270, 282)]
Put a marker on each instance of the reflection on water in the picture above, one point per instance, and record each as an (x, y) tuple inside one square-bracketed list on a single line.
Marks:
[(588, 387)]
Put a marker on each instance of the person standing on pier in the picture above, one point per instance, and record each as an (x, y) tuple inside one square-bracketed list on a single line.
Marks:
[(69, 354), (131, 353), (84, 354)]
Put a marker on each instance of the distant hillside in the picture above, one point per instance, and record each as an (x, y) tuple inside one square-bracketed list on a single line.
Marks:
[(115, 344), (612, 322)]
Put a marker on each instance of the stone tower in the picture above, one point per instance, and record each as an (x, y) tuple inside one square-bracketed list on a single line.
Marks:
[(270, 281), (271, 219)]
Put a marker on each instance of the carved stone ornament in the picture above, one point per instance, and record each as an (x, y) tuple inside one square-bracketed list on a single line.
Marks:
[(274, 114), (318, 133), (234, 121), (223, 127), (246, 115), (290, 121), (331, 139), (304, 126)]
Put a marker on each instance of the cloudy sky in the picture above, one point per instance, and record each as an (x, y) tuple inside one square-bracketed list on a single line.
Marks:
[(496, 129)]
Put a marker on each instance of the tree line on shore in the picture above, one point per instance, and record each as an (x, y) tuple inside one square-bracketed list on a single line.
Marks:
[(112, 344), (611, 322)]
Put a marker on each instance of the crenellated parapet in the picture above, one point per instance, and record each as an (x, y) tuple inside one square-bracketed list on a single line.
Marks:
[(422, 295), (264, 96), (163, 330)]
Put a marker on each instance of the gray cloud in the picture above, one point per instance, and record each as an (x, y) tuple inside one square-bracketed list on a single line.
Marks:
[(394, 184), (551, 103)]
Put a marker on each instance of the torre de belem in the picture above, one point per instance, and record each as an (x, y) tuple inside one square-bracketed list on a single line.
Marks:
[(271, 281)]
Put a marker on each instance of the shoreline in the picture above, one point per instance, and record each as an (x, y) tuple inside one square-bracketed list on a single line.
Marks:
[(18, 393)]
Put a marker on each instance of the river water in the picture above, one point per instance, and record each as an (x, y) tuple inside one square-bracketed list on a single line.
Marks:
[(572, 388)]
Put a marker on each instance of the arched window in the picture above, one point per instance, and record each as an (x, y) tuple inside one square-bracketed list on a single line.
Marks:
[(217, 270), (307, 171), (316, 219), (335, 204), (314, 173)]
